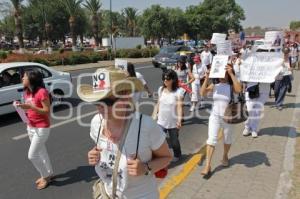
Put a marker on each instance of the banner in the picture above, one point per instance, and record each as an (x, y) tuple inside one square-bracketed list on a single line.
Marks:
[(261, 67), (274, 38), (224, 48), (218, 66), (218, 37), (121, 64)]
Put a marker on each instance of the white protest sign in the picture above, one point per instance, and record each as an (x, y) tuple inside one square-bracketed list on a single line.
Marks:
[(261, 67), (121, 64), (224, 48), (274, 38), (218, 37), (218, 66), (101, 81), (21, 112)]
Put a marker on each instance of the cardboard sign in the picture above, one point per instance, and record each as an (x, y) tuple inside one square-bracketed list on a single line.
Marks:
[(218, 66), (224, 48), (261, 67), (121, 64), (217, 38), (274, 38), (21, 113), (101, 81)]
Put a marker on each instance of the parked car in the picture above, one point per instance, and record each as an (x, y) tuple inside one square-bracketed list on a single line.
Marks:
[(11, 88), (168, 56)]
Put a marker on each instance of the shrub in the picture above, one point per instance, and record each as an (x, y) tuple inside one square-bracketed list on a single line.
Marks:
[(139, 46), (78, 58), (134, 53), (3, 55), (41, 61)]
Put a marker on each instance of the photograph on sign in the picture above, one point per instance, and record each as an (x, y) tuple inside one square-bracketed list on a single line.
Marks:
[(261, 67), (274, 38), (218, 37), (121, 64), (218, 66), (224, 48)]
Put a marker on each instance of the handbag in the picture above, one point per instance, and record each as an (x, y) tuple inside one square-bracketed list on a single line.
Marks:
[(253, 91), (162, 173), (236, 112), (99, 191)]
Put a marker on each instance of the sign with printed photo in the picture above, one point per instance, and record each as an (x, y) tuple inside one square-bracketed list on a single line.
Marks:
[(121, 64), (261, 67), (274, 38), (101, 81), (218, 66), (218, 37), (224, 48)]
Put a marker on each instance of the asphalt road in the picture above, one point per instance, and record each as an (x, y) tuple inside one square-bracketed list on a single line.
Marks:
[(68, 145)]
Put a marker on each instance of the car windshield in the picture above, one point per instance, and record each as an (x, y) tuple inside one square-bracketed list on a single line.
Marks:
[(168, 50)]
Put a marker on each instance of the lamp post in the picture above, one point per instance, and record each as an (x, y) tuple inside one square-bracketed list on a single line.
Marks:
[(111, 39)]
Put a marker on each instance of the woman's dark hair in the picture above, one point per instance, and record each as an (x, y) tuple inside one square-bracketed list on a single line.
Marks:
[(36, 81), (131, 70), (182, 60), (173, 76)]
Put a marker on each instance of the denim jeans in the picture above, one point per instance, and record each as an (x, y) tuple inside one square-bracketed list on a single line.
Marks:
[(280, 89), (173, 141)]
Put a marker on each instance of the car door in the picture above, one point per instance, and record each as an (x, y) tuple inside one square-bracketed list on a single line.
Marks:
[(11, 89)]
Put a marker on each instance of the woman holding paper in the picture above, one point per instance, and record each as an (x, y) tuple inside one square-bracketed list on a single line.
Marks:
[(37, 107), (221, 90)]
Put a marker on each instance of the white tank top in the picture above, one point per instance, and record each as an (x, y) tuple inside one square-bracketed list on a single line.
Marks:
[(221, 98)]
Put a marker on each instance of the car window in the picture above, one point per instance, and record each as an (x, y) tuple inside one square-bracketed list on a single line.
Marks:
[(185, 48), (45, 72), (168, 50), (10, 77)]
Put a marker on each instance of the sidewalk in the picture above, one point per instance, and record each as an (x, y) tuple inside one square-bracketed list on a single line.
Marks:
[(100, 64), (260, 168)]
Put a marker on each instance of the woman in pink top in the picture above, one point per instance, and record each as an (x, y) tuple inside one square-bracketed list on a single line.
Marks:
[(37, 106)]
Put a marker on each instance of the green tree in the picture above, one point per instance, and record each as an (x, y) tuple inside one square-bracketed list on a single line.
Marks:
[(94, 8), (294, 25), (131, 17), (154, 22), (73, 8), (7, 28), (177, 23), (17, 4)]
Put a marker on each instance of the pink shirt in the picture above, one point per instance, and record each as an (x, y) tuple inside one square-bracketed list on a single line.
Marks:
[(35, 119)]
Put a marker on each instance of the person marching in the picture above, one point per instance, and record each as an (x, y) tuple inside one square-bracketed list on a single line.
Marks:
[(37, 107), (130, 146), (206, 57), (199, 74), (221, 90)]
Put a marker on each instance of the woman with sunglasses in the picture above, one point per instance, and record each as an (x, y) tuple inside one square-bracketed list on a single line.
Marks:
[(130, 147), (37, 107), (221, 89), (170, 110)]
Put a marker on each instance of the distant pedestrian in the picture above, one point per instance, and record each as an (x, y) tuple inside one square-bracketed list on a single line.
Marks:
[(221, 90), (206, 57), (169, 110), (37, 107)]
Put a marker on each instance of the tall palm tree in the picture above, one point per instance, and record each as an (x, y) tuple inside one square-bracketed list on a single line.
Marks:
[(73, 8), (131, 19), (94, 7), (18, 21)]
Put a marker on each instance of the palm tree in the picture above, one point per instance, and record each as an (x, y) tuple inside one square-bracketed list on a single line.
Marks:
[(18, 21), (73, 8), (94, 7), (131, 19)]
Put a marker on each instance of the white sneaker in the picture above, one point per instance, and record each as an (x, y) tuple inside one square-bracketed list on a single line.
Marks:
[(254, 134), (246, 132), (175, 159), (192, 109)]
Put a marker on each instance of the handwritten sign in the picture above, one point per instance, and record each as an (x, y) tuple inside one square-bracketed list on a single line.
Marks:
[(218, 37), (121, 64), (224, 48), (101, 81), (218, 66), (261, 67)]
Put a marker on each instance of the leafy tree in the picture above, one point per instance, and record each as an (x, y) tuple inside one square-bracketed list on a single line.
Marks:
[(94, 8), (294, 25), (7, 28), (177, 23), (17, 4), (131, 17)]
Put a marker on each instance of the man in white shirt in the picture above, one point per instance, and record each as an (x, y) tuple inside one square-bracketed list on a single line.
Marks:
[(206, 57)]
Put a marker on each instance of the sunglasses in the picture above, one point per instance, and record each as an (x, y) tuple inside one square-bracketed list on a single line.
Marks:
[(166, 78), (107, 101)]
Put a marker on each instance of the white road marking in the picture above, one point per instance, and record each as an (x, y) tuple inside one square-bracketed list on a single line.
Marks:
[(19, 137)]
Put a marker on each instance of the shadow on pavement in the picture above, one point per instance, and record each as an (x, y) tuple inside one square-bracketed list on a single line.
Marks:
[(184, 158), (279, 131), (81, 173)]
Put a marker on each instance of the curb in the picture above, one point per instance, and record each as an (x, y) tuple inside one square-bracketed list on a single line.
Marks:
[(183, 173)]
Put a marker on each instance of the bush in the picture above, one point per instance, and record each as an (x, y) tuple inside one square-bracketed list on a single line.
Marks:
[(139, 47), (78, 58), (41, 61), (134, 53), (3, 55)]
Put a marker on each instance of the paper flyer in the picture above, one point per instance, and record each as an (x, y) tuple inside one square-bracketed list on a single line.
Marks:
[(21, 113)]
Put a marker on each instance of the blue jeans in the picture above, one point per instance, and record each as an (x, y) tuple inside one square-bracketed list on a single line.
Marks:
[(280, 89), (173, 141)]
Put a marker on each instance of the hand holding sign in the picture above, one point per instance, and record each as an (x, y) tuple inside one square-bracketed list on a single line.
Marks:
[(218, 66)]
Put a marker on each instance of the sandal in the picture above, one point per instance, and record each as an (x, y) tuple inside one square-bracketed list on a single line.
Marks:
[(43, 183), (225, 163)]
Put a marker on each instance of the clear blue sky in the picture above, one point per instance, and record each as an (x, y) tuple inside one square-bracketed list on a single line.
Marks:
[(266, 13)]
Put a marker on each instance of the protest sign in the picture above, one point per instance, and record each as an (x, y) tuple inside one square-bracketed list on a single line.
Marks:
[(224, 48), (121, 64), (218, 66), (21, 112), (261, 67), (274, 38), (217, 37)]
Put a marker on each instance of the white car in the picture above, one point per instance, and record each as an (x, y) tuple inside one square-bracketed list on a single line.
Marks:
[(59, 84)]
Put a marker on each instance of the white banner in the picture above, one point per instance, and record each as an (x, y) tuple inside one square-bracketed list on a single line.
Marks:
[(261, 67), (121, 64), (274, 38), (218, 66), (218, 37), (224, 48)]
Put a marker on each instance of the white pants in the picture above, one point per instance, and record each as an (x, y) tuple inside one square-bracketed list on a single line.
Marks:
[(255, 108), (195, 96), (37, 153), (214, 125)]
